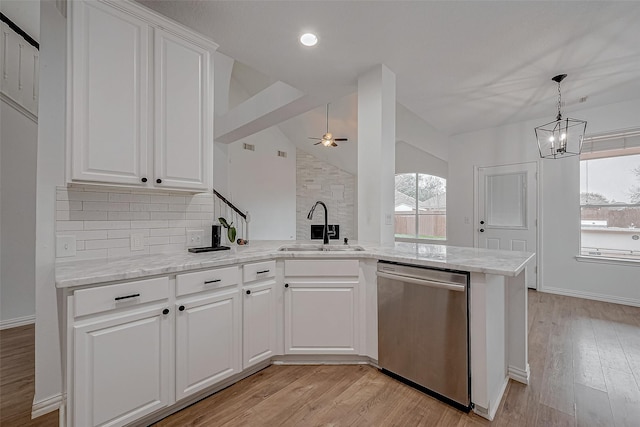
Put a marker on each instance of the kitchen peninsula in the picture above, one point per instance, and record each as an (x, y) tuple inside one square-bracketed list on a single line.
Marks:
[(143, 295)]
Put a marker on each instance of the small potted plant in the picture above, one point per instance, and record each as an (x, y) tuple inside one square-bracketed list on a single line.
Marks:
[(231, 231)]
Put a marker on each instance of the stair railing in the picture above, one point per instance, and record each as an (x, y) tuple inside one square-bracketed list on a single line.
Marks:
[(224, 208)]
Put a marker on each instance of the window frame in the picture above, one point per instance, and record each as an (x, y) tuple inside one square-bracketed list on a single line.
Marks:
[(417, 214), (617, 147)]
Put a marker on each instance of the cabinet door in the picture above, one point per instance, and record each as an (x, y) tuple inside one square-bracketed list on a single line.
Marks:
[(183, 113), (259, 323), (207, 341), (121, 369), (109, 88), (321, 317)]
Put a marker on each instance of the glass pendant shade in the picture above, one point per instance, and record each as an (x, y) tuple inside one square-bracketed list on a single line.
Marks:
[(562, 137)]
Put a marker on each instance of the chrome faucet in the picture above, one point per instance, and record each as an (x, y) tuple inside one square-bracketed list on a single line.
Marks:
[(325, 230)]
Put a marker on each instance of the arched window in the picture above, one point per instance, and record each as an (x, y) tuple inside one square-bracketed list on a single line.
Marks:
[(421, 207)]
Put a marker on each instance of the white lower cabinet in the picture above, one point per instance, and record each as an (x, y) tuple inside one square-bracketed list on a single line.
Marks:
[(122, 368), (259, 319), (129, 344), (321, 312), (208, 340)]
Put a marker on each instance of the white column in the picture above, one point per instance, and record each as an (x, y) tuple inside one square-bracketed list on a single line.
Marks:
[(376, 155)]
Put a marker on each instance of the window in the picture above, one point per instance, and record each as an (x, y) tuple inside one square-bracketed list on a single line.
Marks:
[(610, 196), (421, 207)]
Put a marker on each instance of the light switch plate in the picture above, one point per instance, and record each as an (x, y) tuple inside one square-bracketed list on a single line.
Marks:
[(137, 241), (195, 238), (388, 219), (65, 246)]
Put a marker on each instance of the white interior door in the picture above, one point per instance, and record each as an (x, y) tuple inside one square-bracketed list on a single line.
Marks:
[(506, 210)]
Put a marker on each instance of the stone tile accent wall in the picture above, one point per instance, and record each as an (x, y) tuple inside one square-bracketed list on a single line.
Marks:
[(319, 180), (102, 220)]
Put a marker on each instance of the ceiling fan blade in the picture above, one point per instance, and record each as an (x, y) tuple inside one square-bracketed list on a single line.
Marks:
[(319, 142), (333, 144), (311, 137), (341, 139)]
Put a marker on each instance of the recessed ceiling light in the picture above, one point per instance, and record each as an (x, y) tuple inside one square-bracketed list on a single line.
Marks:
[(309, 39)]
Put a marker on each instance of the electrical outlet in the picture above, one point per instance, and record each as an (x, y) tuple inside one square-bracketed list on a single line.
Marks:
[(65, 246), (388, 219), (195, 238), (137, 241)]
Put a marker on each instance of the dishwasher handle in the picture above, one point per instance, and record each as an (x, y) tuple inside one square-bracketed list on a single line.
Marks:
[(430, 283)]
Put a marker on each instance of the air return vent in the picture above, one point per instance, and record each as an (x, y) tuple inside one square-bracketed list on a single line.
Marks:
[(249, 147), (282, 153)]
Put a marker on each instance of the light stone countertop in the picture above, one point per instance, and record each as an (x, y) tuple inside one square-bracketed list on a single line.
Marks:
[(488, 261)]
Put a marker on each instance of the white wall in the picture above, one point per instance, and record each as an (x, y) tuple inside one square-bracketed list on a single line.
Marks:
[(411, 159), (559, 202), (50, 173), (19, 136), (25, 14), (264, 184)]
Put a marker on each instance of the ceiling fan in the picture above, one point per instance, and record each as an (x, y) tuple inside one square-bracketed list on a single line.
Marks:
[(327, 139)]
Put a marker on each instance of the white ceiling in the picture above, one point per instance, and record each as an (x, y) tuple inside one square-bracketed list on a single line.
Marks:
[(460, 65)]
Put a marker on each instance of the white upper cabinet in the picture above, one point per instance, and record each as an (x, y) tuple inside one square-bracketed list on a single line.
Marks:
[(182, 126), (140, 101), (109, 105)]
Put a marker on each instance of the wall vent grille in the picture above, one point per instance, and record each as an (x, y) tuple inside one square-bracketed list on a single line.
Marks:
[(249, 147), (282, 153)]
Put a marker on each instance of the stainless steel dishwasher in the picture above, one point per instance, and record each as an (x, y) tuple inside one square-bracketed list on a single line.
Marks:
[(423, 330)]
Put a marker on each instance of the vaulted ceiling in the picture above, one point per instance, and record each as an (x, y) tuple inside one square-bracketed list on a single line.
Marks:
[(460, 65)]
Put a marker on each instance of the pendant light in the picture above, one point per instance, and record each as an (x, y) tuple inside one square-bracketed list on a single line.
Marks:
[(562, 137)]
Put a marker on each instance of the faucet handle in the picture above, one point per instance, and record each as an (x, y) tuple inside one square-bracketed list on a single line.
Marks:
[(346, 241), (331, 230)]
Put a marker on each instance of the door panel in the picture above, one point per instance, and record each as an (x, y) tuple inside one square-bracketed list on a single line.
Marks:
[(207, 341), (121, 368), (110, 94), (506, 210), (182, 96)]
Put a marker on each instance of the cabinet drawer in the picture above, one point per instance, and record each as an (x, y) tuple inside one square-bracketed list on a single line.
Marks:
[(206, 280), (96, 300), (259, 270), (320, 268)]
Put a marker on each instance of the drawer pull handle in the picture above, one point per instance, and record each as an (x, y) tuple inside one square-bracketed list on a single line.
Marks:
[(127, 297), (248, 292), (286, 285), (206, 282), (263, 271)]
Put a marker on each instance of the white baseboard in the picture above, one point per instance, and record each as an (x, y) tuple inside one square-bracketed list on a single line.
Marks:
[(18, 321), (47, 405), (519, 375), (592, 296)]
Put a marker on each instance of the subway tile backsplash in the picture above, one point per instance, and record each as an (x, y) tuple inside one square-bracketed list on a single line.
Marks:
[(102, 220)]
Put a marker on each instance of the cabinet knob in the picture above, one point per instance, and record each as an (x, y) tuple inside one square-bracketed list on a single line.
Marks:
[(181, 308), (286, 285), (482, 230), (481, 222), (248, 292), (143, 179), (158, 181), (165, 311)]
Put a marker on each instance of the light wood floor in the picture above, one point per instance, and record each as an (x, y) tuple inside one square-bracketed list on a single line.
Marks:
[(585, 371), (17, 370)]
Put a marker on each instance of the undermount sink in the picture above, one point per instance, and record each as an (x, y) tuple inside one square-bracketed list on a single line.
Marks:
[(320, 248)]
